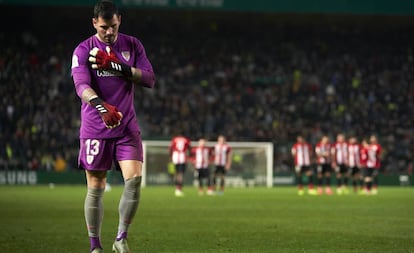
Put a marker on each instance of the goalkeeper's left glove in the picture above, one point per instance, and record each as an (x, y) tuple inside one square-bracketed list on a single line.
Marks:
[(109, 113), (108, 61)]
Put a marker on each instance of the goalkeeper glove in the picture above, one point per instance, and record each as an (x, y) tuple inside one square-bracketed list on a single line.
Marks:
[(109, 113), (108, 61)]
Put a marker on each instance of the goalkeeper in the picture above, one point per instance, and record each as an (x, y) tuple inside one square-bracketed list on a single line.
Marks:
[(106, 67)]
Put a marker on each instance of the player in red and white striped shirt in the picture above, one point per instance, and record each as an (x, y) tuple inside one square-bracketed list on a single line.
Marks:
[(354, 162), (373, 165), (364, 159), (324, 164), (201, 157), (222, 161), (302, 153), (340, 163), (180, 147)]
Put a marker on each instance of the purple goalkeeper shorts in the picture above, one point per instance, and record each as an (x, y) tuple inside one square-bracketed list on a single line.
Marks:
[(99, 154)]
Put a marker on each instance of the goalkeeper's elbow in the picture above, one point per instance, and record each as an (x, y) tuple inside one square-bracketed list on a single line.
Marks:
[(147, 79)]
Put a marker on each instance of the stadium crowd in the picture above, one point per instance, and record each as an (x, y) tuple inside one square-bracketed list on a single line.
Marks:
[(246, 80)]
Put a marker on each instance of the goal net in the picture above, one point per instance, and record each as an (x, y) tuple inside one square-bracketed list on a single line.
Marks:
[(252, 164)]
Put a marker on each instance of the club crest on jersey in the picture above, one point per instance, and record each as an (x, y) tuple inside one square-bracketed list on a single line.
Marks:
[(126, 55)]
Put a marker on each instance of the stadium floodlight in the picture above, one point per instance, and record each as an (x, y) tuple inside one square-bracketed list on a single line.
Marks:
[(252, 164)]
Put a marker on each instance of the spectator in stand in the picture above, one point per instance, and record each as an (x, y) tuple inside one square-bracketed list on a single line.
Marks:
[(60, 163)]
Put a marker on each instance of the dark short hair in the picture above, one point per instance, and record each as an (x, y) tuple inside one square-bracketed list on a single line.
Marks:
[(105, 9)]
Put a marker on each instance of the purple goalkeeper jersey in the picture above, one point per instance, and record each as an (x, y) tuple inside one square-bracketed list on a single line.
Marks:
[(111, 86)]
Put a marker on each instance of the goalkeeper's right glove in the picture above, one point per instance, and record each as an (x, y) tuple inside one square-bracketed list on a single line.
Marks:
[(108, 61), (109, 113)]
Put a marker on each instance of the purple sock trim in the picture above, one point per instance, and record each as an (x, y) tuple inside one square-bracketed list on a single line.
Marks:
[(121, 236), (95, 242)]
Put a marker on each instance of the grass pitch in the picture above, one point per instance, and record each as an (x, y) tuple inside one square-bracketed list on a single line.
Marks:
[(41, 219)]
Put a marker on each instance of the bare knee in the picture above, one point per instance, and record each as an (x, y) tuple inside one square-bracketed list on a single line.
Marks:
[(130, 168), (96, 179)]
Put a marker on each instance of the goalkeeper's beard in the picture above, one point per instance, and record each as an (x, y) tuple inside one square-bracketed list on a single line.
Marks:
[(109, 39)]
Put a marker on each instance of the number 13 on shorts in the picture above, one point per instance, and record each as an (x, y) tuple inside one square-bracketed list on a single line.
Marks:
[(92, 149), (95, 154)]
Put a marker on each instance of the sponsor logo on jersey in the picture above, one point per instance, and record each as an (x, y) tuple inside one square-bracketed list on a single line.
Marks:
[(106, 73)]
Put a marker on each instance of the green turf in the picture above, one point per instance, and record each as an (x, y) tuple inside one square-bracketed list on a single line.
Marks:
[(39, 219)]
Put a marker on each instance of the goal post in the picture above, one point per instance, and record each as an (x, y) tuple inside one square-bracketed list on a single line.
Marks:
[(252, 164)]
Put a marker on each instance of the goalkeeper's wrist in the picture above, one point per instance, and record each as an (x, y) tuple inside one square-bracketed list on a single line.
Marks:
[(94, 101), (98, 103), (125, 69)]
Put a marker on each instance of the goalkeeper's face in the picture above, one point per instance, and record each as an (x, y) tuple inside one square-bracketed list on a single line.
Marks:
[(107, 29)]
